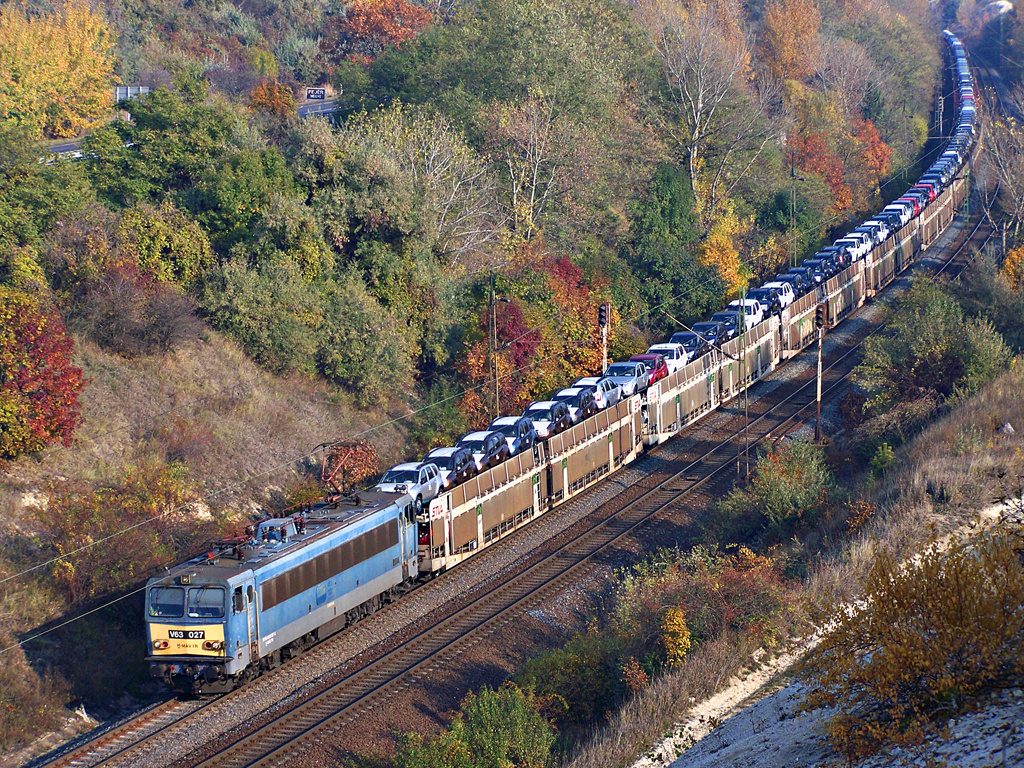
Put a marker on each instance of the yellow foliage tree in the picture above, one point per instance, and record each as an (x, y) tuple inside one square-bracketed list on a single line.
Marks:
[(789, 38), (675, 636), (56, 71), (1013, 267), (719, 251)]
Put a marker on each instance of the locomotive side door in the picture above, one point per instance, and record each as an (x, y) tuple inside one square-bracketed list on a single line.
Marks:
[(243, 601)]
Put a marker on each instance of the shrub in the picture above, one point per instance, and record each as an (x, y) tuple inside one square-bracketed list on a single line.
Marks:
[(28, 702), (675, 636), (39, 386), (129, 314), (108, 538), (927, 635), (789, 488), (579, 682), (165, 243), (884, 456), (929, 350), (662, 609), (492, 728), (361, 346), (270, 312)]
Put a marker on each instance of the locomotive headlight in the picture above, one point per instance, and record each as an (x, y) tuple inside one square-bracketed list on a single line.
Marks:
[(212, 645), (160, 644)]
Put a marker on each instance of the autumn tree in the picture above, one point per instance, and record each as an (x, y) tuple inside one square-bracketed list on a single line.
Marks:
[(39, 386), (845, 69), (789, 36), (272, 98), (811, 153), (165, 243), (453, 188), (531, 143), (718, 251), (1013, 267), (1004, 153), (55, 70), (368, 27), (722, 116)]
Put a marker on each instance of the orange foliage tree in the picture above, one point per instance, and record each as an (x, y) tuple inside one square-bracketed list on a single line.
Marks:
[(55, 70), (1013, 267), (39, 386), (272, 98), (812, 154), (541, 346), (789, 38), (370, 26)]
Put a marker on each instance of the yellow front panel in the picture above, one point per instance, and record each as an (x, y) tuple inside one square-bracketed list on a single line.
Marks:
[(186, 640)]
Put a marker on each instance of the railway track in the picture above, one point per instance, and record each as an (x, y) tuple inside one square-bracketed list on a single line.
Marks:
[(283, 738), (336, 707), (123, 737)]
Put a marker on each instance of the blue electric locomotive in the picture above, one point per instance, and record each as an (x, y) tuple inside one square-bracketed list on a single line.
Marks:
[(250, 603)]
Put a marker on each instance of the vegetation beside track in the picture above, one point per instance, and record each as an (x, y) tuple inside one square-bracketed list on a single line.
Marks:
[(615, 688)]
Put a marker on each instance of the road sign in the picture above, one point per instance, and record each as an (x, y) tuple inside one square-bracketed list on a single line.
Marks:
[(316, 94), (129, 91)]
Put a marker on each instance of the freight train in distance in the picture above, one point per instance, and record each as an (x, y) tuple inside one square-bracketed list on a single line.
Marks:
[(251, 603)]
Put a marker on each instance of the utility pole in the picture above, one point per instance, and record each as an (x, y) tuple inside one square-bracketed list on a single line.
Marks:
[(820, 319), (747, 418), (494, 347), (743, 381), (494, 344), (793, 179)]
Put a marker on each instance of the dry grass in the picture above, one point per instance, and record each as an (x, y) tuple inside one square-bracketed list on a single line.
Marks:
[(938, 482), (645, 718), (208, 406)]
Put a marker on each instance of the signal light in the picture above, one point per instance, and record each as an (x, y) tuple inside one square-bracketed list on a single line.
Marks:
[(602, 315), (820, 313)]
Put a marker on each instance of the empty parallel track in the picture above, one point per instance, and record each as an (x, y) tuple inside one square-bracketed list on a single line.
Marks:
[(110, 743)]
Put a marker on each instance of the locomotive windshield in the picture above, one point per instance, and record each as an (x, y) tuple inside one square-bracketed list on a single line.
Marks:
[(206, 603), (167, 601)]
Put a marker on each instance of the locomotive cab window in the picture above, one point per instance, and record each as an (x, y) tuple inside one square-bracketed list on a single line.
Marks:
[(206, 603), (167, 602), (237, 600)]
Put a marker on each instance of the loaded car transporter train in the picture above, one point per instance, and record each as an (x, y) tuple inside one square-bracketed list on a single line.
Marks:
[(250, 603)]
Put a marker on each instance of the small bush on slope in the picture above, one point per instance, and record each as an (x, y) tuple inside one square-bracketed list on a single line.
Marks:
[(492, 728), (662, 609), (790, 488), (926, 635)]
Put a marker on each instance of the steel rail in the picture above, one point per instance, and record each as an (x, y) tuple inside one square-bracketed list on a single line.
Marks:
[(123, 737)]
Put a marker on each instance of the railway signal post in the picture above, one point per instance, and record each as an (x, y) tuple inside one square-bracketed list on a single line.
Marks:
[(603, 313), (820, 319)]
